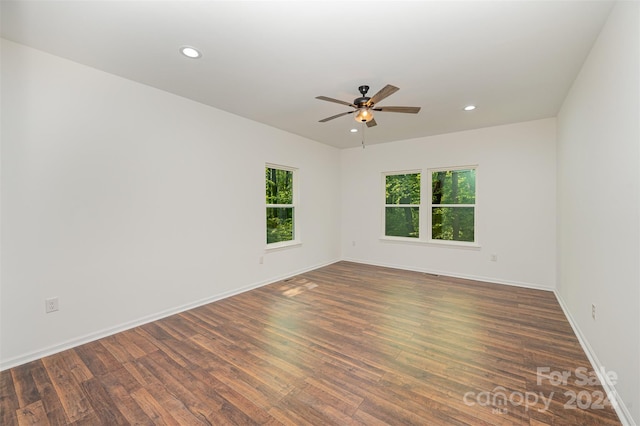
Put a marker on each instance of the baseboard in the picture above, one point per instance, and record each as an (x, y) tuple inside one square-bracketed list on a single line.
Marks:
[(454, 275), (50, 350), (610, 389)]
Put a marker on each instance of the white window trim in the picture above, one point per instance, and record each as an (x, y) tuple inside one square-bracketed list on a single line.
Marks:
[(297, 241), (282, 245), (425, 213)]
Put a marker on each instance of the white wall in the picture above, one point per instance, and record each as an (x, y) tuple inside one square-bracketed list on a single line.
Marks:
[(599, 202), (128, 203), (515, 195)]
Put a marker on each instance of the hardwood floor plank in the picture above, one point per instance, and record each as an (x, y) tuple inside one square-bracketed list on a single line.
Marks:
[(178, 327), (390, 412), (50, 400), (119, 348), (346, 344), (274, 378), (246, 385), (345, 397), (317, 407), (25, 387), (162, 340), (364, 418), (135, 344), (155, 410), (201, 400), (162, 405), (74, 401), (77, 367), (103, 406), (8, 399), (32, 414), (123, 400), (242, 402), (97, 358), (328, 403), (298, 408)]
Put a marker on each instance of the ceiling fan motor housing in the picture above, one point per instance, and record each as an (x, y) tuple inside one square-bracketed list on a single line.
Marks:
[(361, 102)]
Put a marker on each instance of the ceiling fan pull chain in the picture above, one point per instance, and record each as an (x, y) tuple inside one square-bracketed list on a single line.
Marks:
[(363, 127)]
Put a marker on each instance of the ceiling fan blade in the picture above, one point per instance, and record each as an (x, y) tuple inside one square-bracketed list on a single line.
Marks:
[(405, 109), (372, 123), (383, 93), (335, 116), (337, 101)]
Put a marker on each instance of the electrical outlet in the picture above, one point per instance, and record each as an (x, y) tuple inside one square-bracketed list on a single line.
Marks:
[(51, 305), (494, 257), (593, 311), (353, 243), (261, 260)]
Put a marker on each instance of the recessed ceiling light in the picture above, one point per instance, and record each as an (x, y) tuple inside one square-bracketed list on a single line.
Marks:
[(469, 107), (190, 52), (354, 130)]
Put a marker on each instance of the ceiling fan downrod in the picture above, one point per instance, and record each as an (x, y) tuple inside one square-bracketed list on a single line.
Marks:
[(362, 101)]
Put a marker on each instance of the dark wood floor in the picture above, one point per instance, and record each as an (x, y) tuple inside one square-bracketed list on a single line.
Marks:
[(345, 344)]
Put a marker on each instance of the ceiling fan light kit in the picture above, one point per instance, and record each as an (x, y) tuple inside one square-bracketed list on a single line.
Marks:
[(364, 115)]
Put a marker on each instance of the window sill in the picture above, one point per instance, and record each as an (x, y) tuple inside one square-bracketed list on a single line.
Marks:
[(282, 245), (434, 243)]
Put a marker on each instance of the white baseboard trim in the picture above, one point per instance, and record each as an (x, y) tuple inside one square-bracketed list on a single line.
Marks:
[(80, 340), (610, 389), (455, 275)]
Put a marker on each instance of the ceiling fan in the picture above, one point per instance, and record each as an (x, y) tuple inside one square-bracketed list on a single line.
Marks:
[(364, 105)]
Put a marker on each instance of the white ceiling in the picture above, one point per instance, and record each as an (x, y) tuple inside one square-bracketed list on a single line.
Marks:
[(268, 60)]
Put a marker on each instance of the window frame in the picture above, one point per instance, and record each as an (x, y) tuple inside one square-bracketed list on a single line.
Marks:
[(425, 223), (385, 205), (431, 206), (295, 206)]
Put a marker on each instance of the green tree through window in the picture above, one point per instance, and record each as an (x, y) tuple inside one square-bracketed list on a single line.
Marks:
[(453, 198), (280, 205), (402, 205)]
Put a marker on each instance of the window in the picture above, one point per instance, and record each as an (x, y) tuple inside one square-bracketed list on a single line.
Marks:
[(453, 204), (281, 198), (449, 215), (402, 205)]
